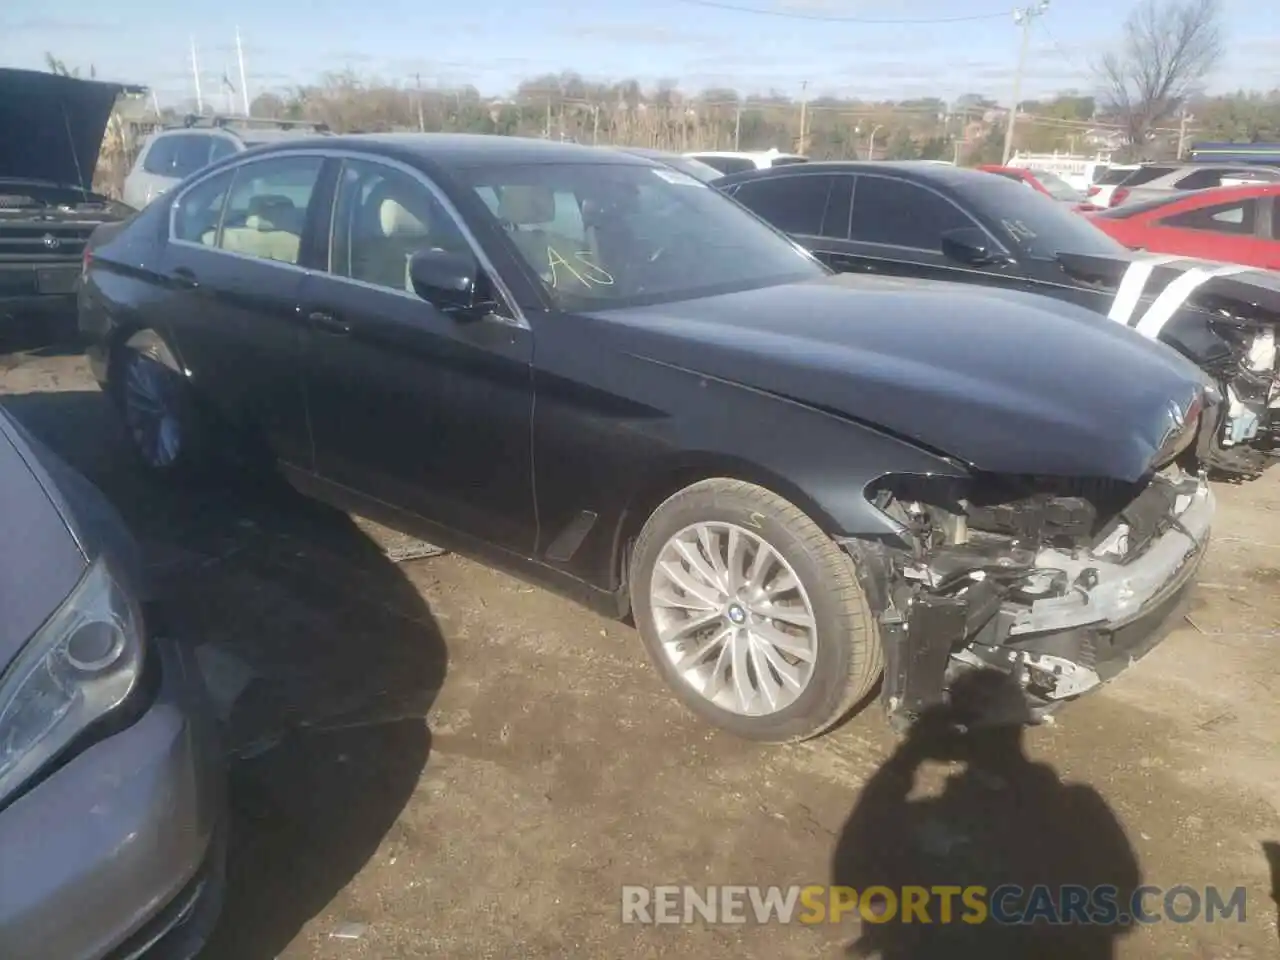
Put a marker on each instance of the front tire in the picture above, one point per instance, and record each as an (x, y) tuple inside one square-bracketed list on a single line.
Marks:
[(751, 613)]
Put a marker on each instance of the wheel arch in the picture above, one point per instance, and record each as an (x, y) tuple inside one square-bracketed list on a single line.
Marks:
[(683, 470)]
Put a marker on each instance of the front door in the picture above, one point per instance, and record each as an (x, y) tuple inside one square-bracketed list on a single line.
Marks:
[(410, 406), (233, 275)]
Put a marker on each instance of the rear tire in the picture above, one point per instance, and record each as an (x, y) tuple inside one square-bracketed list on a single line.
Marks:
[(167, 431), (774, 649)]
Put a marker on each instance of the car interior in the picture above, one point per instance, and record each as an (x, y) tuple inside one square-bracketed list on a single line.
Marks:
[(528, 213), (271, 229)]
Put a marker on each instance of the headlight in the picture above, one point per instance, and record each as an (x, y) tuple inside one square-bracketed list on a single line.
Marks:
[(83, 663)]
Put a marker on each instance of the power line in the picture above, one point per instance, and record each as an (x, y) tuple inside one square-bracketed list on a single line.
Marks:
[(830, 18)]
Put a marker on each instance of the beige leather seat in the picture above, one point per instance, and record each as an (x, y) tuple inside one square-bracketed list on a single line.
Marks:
[(272, 230), (527, 210), (381, 253)]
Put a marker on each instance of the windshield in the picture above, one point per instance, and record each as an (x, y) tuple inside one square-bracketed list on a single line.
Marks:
[(1037, 226), (1058, 188), (614, 235)]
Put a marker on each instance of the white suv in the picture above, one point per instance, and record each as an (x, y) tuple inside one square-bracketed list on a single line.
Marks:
[(735, 161), (171, 155)]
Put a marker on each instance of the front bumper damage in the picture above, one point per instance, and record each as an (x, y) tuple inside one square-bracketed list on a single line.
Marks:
[(1058, 621)]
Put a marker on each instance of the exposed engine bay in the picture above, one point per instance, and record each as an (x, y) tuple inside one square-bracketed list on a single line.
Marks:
[(1248, 434), (1059, 583)]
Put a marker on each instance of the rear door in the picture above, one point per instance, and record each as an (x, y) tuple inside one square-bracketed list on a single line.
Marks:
[(234, 269), (410, 406), (814, 210), (1235, 232)]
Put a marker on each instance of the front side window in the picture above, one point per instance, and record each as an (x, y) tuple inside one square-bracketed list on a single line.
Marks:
[(1237, 219), (267, 207), (902, 214), (382, 216), (641, 234), (1032, 224)]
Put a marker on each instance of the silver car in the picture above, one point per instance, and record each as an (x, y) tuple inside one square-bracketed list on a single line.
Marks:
[(1153, 180), (170, 156), (112, 795)]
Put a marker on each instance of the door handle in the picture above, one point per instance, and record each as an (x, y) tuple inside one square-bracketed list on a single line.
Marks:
[(184, 277), (328, 323)]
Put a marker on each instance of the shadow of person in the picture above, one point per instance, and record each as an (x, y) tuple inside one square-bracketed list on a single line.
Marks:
[(999, 820), (321, 657), (1271, 850)]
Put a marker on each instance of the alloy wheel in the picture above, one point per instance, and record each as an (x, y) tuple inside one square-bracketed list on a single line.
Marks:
[(151, 411), (733, 618)]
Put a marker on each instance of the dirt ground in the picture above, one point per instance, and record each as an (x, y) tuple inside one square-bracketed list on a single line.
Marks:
[(433, 759)]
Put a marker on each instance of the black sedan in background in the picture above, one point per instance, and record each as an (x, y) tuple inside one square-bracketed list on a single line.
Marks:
[(599, 371), (918, 219)]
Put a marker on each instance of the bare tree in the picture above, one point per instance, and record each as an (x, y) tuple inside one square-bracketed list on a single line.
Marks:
[(59, 67), (1169, 47)]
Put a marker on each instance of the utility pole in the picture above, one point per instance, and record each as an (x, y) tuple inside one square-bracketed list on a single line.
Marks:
[(195, 74), (1182, 131), (737, 124), (244, 84), (422, 125), (804, 108), (1023, 16)]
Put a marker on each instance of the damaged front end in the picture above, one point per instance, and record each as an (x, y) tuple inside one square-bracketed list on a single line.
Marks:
[(1060, 583), (1246, 432)]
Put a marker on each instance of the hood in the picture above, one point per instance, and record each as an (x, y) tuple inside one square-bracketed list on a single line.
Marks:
[(51, 126), (1007, 382), (40, 558)]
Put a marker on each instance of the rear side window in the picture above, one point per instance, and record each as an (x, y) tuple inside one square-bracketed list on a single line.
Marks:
[(197, 216), (192, 154), (1200, 179), (1125, 211), (1113, 176), (159, 156), (1137, 178), (795, 204), (1238, 219), (222, 147), (727, 164), (902, 214)]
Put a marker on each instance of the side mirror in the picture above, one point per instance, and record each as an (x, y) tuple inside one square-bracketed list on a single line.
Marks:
[(969, 245), (450, 281)]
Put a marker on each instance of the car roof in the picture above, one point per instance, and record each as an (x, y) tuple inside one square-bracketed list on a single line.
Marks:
[(940, 174), (465, 148)]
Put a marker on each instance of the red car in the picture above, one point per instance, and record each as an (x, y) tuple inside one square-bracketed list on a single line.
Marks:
[(1045, 182), (1230, 224)]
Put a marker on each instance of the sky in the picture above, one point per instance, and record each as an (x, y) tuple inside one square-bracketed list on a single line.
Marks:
[(496, 43)]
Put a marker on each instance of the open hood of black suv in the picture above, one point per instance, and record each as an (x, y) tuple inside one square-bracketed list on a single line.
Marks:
[(51, 126)]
